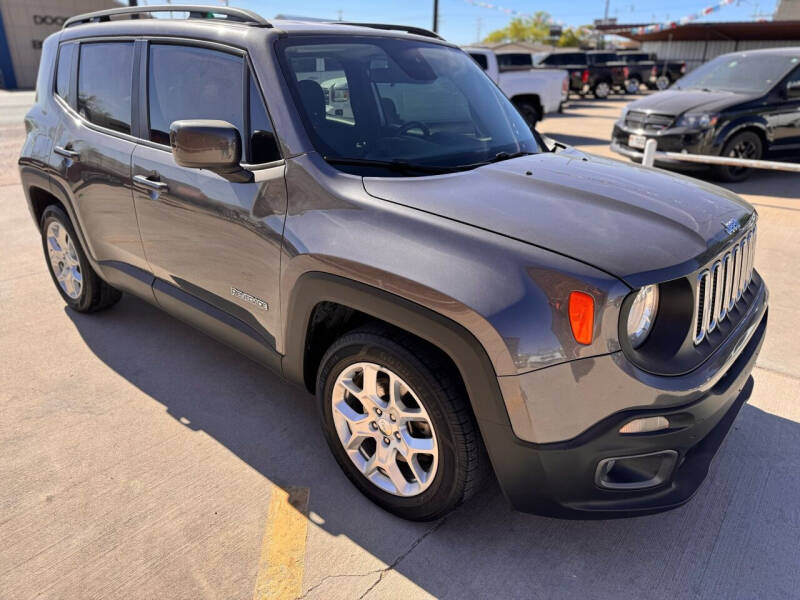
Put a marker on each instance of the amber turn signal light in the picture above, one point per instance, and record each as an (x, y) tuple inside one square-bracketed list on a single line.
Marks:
[(581, 316)]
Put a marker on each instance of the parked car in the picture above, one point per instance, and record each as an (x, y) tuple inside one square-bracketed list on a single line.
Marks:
[(337, 98), (457, 291), (743, 104), (594, 72), (643, 67), (534, 92)]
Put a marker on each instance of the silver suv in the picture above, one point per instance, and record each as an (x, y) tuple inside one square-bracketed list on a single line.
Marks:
[(461, 294)]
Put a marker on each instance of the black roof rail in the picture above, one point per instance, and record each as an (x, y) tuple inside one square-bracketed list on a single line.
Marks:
[(386, 27), (237, 15)]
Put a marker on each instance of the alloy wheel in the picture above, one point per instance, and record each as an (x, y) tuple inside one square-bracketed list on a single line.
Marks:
[(743, 149), (64, 260), (385, 429)]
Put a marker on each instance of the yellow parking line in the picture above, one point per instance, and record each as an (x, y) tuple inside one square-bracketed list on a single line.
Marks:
[(280, 568)]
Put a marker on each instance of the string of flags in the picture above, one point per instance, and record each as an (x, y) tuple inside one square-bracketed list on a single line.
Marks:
[(682, 21), (635, 30)]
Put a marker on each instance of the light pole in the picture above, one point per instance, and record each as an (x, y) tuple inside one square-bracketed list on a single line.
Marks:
[(436, 16)]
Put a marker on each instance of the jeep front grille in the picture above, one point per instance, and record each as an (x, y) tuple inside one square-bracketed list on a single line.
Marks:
[(721, 286)]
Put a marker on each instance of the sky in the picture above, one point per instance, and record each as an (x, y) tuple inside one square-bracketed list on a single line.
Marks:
[(461, 23)]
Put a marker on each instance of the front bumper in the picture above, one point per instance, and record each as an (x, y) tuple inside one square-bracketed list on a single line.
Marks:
[(559, 478), (669, 140)]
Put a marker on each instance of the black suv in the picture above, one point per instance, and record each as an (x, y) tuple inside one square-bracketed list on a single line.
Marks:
[(460, 295), (745, 105)]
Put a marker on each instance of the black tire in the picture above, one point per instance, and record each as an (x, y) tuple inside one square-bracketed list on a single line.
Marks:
[(463, 464), (632, 85), (95, 294), (529, 111), (746, 144)]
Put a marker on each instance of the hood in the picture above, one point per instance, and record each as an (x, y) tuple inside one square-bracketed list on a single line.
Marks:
[(675, 102), (641, 225)]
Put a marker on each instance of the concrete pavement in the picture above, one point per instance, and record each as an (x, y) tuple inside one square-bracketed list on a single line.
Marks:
[(139, 459)]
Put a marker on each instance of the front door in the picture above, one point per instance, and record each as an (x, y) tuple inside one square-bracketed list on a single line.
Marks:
[(784, 113), (214, 239)]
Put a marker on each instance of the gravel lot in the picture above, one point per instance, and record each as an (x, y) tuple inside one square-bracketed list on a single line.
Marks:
[(141, 459)]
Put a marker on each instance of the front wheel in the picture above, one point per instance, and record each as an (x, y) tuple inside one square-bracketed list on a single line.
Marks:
[(632, 85), (601, 90), (398, 423), (662, 82), (746, 144), (76, 281)]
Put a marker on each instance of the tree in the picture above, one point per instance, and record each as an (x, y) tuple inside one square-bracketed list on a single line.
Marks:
[(523, 29), (572, 37)]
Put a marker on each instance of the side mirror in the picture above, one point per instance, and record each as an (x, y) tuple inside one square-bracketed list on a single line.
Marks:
[(793, 89), (208, 144)]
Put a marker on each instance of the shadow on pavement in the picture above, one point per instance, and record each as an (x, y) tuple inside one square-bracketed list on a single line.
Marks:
[(738, 538)]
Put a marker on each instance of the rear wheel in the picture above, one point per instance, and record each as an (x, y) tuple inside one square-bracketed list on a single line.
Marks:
[(663, 82), (398, 423), (601, 89), (529, 111), (76, 281), (746, 144)]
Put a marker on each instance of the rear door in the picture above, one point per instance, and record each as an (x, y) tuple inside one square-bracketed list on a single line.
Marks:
[(92, 147), (208, 238)]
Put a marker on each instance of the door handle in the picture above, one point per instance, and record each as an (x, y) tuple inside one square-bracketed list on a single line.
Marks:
[(158, 186), (67, 153)]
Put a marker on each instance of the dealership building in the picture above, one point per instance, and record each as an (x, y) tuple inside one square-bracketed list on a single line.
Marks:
[(24, 24)]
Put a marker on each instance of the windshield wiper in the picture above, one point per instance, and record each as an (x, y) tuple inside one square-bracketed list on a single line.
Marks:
[(394, 165), (508, 156)]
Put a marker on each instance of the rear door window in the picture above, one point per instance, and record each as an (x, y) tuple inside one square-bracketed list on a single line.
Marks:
[(186, 82), (105, 74)]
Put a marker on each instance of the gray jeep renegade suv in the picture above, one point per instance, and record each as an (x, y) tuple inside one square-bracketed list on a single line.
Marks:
[(360, 208)]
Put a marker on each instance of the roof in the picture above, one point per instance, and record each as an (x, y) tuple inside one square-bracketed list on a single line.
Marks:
[(731, 31)]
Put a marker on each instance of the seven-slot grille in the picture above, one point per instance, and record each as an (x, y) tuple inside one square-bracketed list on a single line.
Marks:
[(721, 286), (636, 119)]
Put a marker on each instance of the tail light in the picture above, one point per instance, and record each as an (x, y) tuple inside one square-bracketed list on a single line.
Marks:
[(585, 76), (683, 68), (626, 72), (654, 71), (565, 85)]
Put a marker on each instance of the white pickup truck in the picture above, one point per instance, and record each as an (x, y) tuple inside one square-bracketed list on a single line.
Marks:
[(535, 92)]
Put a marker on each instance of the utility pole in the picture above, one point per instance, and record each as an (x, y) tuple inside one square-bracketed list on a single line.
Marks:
[(436, 16), (339, 14), (605, 22), (479, 27)]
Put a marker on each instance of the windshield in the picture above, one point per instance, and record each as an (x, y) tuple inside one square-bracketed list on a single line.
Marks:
[(738, 73), (371, 102)]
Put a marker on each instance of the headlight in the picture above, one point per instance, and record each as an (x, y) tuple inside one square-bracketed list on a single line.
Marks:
[(697, 120), (642, 314), (623, 114)]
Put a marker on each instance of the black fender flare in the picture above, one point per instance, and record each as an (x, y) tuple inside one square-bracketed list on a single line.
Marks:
[(513, 463)]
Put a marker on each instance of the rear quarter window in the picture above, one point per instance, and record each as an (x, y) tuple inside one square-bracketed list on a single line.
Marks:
[(64, 70)]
